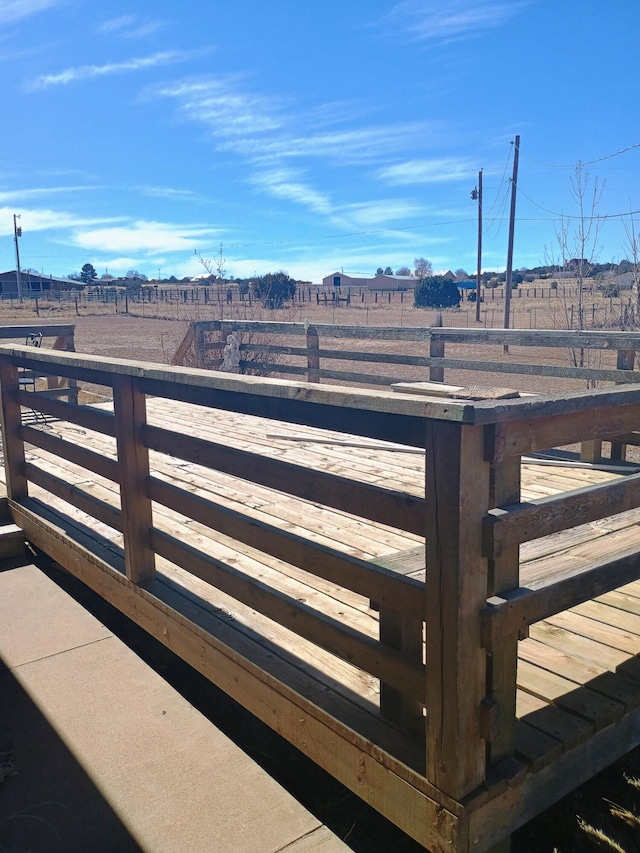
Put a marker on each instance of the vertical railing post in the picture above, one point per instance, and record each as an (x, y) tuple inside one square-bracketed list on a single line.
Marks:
[(313, 355), (403, 633), (457, 498), (12, 442), (133, 465)]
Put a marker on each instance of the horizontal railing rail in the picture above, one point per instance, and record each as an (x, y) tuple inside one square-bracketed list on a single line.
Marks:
[(267, 348)]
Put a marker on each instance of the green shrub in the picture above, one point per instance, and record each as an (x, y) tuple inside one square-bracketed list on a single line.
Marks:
[(436, 291), (274, 289)]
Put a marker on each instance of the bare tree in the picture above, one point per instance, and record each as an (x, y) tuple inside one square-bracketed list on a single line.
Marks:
[(403, 271), (218, 263), (577, 239), (422, 267), (632, 247)]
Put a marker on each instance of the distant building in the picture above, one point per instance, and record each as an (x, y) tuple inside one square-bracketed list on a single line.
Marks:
[(374, 282), (33, 283)]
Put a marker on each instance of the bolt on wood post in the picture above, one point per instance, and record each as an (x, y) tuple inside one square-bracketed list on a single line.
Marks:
[(133, 464), (11, 421), (457, 499)]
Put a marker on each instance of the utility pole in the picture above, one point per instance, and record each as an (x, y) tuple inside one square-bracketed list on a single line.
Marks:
[(476, 194), (512, 222), (17, 232)]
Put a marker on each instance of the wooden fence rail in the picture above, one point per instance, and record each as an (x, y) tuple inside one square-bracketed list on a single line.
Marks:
[(269, 349), (444, 753)]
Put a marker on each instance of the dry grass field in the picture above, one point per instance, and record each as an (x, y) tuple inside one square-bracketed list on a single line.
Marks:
[(149, 332)]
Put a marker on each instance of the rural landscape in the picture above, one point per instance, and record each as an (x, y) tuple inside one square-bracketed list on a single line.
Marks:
[(320, 427), (156, 324)]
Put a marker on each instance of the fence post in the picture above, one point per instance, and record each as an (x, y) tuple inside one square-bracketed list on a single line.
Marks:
[(313, 355), (625, 361), (13, 445), (436, 350), (133, 464), (457, 499)]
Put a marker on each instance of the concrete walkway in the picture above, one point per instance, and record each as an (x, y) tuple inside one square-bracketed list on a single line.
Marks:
[(98, 753)]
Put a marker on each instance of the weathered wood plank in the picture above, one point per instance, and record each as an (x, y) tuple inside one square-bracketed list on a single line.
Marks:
[(457, 499), (366, 578), (341, 640), (513, 611), (397, 509), (516, 523), (133, 463), (75, 453)]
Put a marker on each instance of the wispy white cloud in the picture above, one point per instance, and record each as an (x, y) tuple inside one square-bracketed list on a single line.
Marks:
[(435, 21), (373, 214), (168, 193), (435, 171), (14, 10), (343, 147), (260, 128), (222, 105), (143, 236), (285, 184), (84, 72), (44, 219), (128, 26), (35, 192)]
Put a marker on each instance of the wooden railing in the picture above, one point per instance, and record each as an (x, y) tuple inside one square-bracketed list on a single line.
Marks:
[(475, 603), (271, 348)]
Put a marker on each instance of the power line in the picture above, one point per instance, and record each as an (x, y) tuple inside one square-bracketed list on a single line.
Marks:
[(581, 162), (572, 216)]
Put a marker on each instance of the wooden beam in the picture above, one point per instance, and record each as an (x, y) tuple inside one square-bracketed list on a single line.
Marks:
[(13, 445), (457, 492), (133, 462), (502, 661)]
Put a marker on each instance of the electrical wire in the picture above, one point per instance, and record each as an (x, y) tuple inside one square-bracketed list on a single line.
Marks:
[(580, 162), (576, 216)]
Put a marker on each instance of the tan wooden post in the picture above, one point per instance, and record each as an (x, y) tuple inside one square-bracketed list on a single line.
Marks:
[(313, 355), (133, 464), (436, 350), (13, 445), (457, 498), (202, 356)]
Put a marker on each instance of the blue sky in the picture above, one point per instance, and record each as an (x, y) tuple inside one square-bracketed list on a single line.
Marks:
[(310, 137)]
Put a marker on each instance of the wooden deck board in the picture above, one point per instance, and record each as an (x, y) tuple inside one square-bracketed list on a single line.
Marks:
[(567, 681)]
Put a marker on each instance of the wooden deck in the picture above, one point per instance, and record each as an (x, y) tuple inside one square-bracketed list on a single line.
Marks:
[(566, 687), (265, 548)]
